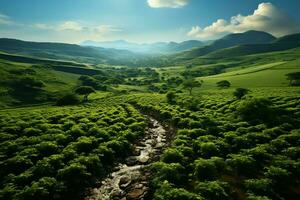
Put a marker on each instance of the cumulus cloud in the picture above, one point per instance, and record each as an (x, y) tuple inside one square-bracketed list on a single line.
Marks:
[(43, 26), (103, 29), (78, 27), (266, 17), (167, 3), (5, 20), (70, 26)]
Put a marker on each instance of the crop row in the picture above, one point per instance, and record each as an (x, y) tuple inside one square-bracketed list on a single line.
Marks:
[(232, 149), (56, 153)]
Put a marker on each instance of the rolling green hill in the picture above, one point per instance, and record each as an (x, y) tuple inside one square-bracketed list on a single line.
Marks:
[(73, 52), (30, 81), (249, 37), (267, 75), (284, 43)]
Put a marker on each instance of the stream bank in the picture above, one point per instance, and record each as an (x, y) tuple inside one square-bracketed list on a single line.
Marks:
[(130, 180)]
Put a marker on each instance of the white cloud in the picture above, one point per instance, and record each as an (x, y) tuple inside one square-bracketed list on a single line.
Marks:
[(266, 17), (70, 26), (43, 26), (77, 31), (167, 3), (79, 27), (5, 20), (103, 29)]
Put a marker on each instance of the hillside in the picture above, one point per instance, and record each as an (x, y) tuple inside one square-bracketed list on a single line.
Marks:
[(280, 44), (148, 48), (71, 52), (249, 37), (32, 83)]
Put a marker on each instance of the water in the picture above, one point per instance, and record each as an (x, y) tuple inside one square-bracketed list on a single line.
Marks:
[(129, 180)]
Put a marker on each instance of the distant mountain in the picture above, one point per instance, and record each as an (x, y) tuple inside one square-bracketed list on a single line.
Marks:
[(249, 37), (64, 51), (80, 54), (154, 48), (280, 44), (117, 44)]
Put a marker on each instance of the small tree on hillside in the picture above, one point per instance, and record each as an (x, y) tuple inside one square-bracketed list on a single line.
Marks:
[(223, 84), (240, 92), (191, 83), (68, 99), (85, 90), (171, 97), (294, 78)]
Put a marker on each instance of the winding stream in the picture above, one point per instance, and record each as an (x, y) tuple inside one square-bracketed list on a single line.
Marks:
[(129, 179)]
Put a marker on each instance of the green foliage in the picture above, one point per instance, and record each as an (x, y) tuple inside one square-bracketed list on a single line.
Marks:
[(85, 90), (167, 192), (172, 156), (213, 190), (68, 99), (171, 97), (189, 84), (171, 172), (294, 78), (222, 156), (58, 152), (223, 84), (256, 109), (205, 169), (240, 92)]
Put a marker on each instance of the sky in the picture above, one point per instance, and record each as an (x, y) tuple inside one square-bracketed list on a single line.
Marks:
[(144, 21)]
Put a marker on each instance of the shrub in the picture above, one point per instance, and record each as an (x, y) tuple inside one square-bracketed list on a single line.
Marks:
[(172, 172), (223, 84), (256, 109), (171, 97), (68, 99), (278, 175), (85, 91), (259, 186), (166, 192), (213, 190), (205, 169), (240, 92), (208, 149), (172, 156), (242, 164)]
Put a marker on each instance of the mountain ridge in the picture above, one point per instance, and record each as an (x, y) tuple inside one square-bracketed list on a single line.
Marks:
[(248, 37), (157, 47)]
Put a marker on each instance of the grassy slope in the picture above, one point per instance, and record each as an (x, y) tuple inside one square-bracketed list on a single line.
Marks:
[(268, 75), (55, 82)]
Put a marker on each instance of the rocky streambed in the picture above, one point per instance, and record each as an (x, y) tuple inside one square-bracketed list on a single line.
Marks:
[(130, 179)]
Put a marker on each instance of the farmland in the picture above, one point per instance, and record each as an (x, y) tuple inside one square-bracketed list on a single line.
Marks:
[(177, 128)]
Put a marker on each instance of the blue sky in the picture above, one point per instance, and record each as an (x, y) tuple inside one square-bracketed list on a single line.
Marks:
[(74, 21)]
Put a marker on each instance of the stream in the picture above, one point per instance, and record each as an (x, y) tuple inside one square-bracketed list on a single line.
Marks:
[(130, 179)]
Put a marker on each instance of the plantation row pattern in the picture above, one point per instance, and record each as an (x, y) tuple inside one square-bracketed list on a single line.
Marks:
[(229, 149), (57, 153)]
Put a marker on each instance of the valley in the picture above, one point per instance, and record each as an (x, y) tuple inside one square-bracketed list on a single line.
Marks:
[(219, 121)]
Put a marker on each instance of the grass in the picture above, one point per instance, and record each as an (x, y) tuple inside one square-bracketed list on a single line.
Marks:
[(55, 83), (268, 75)]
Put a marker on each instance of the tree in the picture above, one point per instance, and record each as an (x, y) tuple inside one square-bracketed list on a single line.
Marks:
[(240, 92), (68, 99), (294, 78), (191, 83), (223, 84), (171, 97), (85, 90)]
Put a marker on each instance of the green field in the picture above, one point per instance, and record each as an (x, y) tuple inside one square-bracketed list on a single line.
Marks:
[(66, 126)]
